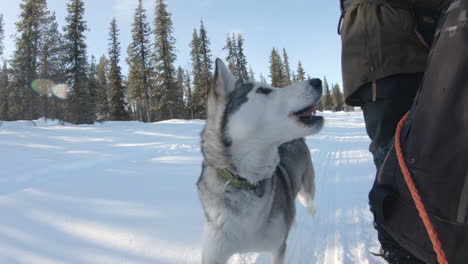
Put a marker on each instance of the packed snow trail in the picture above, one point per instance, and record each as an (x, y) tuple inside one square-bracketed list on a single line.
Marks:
[(124, 192)]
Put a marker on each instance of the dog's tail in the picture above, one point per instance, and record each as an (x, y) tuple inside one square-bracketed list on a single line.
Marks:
[(307, 192)]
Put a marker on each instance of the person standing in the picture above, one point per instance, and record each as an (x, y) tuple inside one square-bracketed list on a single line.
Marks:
[(385, 47)]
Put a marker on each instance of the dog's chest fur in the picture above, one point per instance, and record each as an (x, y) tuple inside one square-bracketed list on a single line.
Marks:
[(246, 218)]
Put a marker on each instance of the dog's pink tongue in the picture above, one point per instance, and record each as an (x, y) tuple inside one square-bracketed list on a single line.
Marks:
[(310, 111)]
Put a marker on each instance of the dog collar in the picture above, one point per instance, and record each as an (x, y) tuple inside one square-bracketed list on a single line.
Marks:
[(240, 183), (234, 181)]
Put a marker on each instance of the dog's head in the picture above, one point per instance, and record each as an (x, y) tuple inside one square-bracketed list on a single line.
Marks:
[(247, 110)]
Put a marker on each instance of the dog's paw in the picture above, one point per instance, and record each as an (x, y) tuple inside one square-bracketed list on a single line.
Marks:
[(307, 203)]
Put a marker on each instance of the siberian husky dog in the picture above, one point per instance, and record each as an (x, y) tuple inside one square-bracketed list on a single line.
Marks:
[(255, 164)]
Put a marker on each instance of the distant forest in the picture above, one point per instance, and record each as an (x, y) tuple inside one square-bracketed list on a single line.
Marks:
[(51, 75)]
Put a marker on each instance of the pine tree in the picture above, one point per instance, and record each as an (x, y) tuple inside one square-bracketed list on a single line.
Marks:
[(117, 103), (251, 74), (262, 78), (327, 97), (50, 68), (287, 69), (102, 89), (198, 95), (166, 88), (92, 86), (23, 100), (241, 60), (203, 78), (2, 34), (139, 60), (190, 113), (4, 90), (293, 77), (236, 59), (205, 56), (300, 72), (231, 58), (276, 69), (337, 96), (4, 78), (320, 104), (180, 108), (76, 63)]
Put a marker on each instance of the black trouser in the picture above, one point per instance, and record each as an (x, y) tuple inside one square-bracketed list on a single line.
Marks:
[(393, 98), (383, 106)]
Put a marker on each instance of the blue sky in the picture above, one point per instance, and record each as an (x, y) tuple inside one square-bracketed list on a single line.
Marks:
[(306, 28)]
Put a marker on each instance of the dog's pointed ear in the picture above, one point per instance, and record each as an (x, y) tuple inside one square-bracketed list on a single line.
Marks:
[(224, 81)]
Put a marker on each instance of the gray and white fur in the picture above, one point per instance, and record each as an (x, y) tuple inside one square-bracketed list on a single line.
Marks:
[(255, 131)]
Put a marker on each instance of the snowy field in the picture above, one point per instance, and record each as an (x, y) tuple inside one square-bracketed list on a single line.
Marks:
[(124, 192)]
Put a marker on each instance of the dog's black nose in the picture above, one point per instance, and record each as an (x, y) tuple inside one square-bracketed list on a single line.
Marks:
[(315, 82)]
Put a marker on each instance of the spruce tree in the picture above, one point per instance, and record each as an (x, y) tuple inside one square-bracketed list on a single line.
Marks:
[(231, 58), (190, 108), (23, 99), (92, 86), (166, 88), (287, 69), (198, 95), (300, 72), (327, 97), (293, 76), (241, 60), (236, 59), (180, 108), (338, 100), (2, 34), (4, 78), (50, 68), (76, 63), (205, 56), (14, 94), (4, 90), (102, 89), (141, 69), (117, 105), (205, 75), (262, 78), (276, 69), (251, 74), (320, 104)]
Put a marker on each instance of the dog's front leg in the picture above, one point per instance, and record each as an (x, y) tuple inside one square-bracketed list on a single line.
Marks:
[(216, 249), (278, 258), (307, 192)]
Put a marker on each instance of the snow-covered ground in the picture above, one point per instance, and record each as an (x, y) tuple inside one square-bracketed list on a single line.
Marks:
[(124, 192)]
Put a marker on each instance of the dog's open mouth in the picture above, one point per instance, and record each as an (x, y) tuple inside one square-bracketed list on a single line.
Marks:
[(307, 115)]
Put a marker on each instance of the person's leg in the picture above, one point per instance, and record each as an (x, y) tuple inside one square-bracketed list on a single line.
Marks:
[(394, 97), (382, 112)]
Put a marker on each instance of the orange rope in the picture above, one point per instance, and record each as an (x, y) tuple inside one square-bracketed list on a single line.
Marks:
[(441, 257)]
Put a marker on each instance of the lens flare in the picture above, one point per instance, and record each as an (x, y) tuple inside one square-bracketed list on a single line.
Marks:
[(42, 86), (60, 91)]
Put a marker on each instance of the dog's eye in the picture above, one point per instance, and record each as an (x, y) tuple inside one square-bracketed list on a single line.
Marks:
[(263, 90)]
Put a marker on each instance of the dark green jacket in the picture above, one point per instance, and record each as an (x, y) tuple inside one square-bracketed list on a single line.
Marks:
[(379, 40)]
